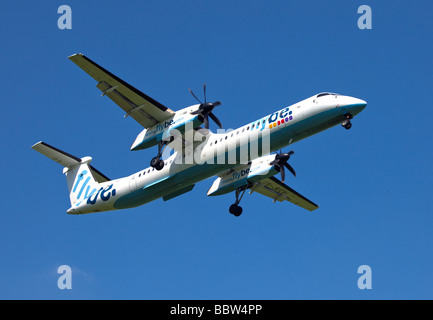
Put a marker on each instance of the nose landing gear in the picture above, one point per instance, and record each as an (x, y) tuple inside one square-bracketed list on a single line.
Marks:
[(346, 124)]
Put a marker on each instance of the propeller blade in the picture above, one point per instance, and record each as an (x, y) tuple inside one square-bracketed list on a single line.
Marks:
[(283, 174), (204, 91), (288, 166), (194, 96), (206, 121), (214, 118)]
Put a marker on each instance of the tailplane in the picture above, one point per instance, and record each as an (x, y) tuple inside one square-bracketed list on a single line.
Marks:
[(81, 177)]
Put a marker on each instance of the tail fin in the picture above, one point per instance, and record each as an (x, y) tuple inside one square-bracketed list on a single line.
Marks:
[(81, 177)]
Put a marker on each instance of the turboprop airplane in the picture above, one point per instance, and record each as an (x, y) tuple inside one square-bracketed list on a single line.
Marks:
[(242, 159)]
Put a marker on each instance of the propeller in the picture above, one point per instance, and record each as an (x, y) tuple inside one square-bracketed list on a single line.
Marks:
[(281, 161), (205, 109)]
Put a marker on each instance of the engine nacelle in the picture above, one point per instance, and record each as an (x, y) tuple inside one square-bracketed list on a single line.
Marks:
[(179, 123), (255, 171)]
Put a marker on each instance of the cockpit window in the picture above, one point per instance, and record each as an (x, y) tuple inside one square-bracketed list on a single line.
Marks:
[(326, 94), (322, 94)]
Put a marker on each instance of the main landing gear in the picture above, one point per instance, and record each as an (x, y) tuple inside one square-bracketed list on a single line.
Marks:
[(235, 209), (346, 124), (157, 162)]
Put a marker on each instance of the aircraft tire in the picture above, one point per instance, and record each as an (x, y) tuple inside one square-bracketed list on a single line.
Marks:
[(346, 124), (154, 162), (160, 165), (235, 210)]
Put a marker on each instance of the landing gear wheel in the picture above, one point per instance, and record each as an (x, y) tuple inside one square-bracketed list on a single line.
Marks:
[(160, 165), (154, 162), (157, 163), (346, 124), (235, 210)]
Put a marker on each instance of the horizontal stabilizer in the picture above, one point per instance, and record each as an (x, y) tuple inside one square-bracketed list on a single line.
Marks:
[(67, 160)]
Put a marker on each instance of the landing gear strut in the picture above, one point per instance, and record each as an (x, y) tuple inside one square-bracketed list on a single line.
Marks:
[(346, 124), (235, 209), (157, 162)]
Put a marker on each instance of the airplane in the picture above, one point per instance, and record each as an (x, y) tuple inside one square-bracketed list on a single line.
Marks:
[(246, 158)]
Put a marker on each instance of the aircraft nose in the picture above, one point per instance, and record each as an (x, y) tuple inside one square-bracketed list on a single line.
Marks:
[(355, 105), (360, 102)]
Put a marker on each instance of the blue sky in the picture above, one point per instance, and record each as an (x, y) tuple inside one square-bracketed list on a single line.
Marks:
[(373, 182)]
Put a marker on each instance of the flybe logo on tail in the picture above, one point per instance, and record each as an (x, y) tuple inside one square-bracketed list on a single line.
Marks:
[(103, 193), (91, 196)]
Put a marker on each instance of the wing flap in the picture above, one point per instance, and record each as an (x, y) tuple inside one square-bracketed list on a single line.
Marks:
[(142, 108), (278, 191)]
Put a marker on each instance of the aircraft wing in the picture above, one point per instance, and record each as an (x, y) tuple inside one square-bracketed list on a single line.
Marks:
[(275, 189), (145, 110)]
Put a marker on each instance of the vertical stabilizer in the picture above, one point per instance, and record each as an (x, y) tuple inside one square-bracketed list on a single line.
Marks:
[(81, 183)]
